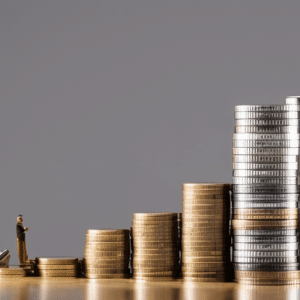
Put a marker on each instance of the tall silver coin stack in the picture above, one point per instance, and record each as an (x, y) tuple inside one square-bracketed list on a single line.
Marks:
[(265, 194), (106, 253), (205, 232), (155, 246)]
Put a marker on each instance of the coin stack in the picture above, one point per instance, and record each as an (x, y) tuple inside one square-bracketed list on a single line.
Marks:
[(12, 272), (205, 231), (292, 100), (155, 246), (57, 267), (265, 194), (106, 253)]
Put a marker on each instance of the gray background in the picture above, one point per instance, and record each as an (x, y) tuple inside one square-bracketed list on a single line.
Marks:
[(107, 107)]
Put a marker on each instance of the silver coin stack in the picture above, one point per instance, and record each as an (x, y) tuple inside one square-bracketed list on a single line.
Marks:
[(106, 253), (265, 194), (155, 246)]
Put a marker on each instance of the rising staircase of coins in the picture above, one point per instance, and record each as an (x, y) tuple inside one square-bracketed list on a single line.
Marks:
[(247, 231)]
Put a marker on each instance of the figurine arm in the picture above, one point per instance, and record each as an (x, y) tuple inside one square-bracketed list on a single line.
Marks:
[(25, 228)]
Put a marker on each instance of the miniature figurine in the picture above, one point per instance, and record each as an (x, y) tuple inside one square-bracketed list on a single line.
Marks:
[(21, 244)]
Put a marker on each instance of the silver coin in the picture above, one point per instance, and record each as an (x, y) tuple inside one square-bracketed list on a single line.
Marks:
[(265, 260), (267, 129), (264, 205), (267, 107), (265, 254), (266, 197), (265, 180), (266, 115), (266, 166), (265, 158), (266, 232), (265, 151), (266, 267), (292, 100), (266, 136), (265, 189), (266, 144), (267, 122), (266, 240), (265, 173), (266, 247)]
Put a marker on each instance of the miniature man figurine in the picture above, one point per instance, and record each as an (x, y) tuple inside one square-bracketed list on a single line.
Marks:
[(21, 245)]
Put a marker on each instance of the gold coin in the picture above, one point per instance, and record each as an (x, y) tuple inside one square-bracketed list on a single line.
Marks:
[(156, 214), (107, 276), (106, 266), (56, 261), (199, 259), (155, 258), (15, 271), (220, 275), (247, 224), (208, 265), (199, 279), (152, 231), (104, 244), (97, 254), (192, 228), (119, 270), (214, 247), (142, 237), (100, 260), (161, 235), (58, 273), (200, 235), (106, 248), (204, 205), (154, 220), (215, 213), (151, 273), (218, 234), (283, 275), (57, 267), (207, 185), (154, 279), (107, 231), (106, 238), (193, 271), (154, 264), (204, 194), (203, 253)]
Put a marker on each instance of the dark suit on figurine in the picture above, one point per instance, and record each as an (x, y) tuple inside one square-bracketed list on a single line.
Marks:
[(21, 244)]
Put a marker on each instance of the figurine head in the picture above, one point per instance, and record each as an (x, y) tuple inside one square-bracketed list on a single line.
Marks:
[(20, 219)]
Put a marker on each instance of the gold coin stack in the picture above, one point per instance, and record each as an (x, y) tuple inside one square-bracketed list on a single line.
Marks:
[(106, 253), (57, 267), (12, 272), (155, 246), (205, 232)]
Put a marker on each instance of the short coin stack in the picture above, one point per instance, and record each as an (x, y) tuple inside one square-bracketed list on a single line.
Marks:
[(155, 246), (57, 267), (265, 194), (106, 253), (205, 231), (12, 272)]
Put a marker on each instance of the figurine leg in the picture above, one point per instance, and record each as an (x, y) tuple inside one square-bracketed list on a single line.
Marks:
[(21, 252)]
